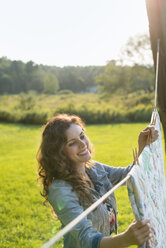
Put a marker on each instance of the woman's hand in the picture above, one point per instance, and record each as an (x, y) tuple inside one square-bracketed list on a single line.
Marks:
[(147, 136), (137, 233)]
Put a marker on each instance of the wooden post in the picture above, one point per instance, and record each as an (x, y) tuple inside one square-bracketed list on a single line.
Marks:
[(156, 10)]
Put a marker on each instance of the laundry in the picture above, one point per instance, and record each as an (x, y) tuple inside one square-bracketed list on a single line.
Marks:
[(146, 189)]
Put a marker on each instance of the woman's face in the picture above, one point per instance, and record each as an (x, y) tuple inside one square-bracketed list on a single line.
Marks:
[(77, 145)]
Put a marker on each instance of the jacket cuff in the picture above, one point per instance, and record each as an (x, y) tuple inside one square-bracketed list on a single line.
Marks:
[(96, 240)]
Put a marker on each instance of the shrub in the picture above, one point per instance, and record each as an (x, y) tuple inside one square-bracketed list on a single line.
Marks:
[(34, 117), (26, 101), (64, 92), (139, 114), (8, 116)]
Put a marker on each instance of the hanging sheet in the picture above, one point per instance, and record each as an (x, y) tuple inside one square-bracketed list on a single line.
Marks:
[(147, 190)]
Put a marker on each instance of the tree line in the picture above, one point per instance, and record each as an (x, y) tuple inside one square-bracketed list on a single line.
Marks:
[(115, 77), (125, 79), (16, 77)]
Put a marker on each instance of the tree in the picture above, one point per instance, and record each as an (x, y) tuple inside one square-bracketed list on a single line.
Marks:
[(137, 75), (6, 84), (71, 81), (114, 78), (51, 84), (141, 78), (137, 50), (16, 71), (33, 77)]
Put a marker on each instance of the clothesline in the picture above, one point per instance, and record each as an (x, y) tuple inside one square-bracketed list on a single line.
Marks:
[(157, 71)]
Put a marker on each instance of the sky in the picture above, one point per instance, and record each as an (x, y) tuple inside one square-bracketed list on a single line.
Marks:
[(69, 32)]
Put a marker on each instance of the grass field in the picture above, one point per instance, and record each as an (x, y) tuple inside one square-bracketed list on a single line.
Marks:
[(24, 221)]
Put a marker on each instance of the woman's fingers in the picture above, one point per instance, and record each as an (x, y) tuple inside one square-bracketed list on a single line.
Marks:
[(154, 135), (138, 232), (144, 236), (143, 226), (145, 230), (147, 136), (142, 231), (150, 133), (141, 223)]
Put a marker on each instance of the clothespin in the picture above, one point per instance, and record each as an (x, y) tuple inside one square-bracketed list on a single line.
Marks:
[(135, 155), (149, 139), (154, 116), (153, 122)]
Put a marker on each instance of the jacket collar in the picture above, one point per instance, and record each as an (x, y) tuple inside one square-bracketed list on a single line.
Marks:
[(96, 175)]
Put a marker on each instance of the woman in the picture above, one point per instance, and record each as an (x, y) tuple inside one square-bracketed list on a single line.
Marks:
[(72, 182)]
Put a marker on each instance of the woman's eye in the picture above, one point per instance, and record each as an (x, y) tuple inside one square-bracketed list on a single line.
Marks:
[(71, 144), (82, 136)]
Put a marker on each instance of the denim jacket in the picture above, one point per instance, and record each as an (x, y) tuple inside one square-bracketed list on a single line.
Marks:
[(65, 202)]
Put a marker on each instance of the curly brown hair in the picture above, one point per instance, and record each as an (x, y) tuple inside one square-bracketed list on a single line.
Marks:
[(53, 163)]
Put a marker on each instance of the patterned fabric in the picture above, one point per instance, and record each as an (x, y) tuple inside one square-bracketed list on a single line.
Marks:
[(112, 217), (147, 190)]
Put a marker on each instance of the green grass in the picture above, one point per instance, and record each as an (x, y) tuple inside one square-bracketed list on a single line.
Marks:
[(24, 221)]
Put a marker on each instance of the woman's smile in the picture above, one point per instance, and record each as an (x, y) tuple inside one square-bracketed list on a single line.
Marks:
[(84, 153)]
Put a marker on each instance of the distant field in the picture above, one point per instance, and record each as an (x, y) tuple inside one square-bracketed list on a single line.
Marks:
[(33, 108), (50, 102), (24, 221)]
